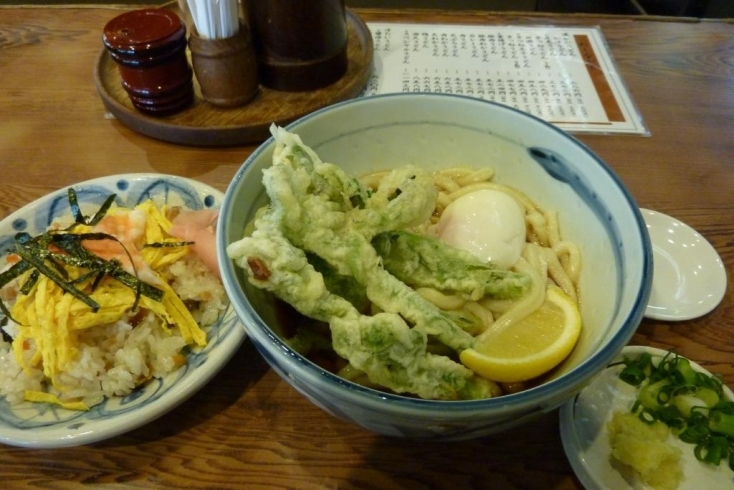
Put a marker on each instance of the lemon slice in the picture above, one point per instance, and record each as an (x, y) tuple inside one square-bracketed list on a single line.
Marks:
[(530, 347)]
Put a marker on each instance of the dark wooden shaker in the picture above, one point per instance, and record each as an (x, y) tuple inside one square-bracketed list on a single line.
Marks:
[(301, 45)]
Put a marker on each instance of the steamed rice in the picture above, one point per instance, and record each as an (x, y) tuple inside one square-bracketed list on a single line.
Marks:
[(113, 359)]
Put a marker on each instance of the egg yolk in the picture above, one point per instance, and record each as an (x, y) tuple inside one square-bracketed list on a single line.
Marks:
[(489, 224)]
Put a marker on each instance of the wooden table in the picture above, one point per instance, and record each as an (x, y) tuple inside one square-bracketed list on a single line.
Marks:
[(247, 428)]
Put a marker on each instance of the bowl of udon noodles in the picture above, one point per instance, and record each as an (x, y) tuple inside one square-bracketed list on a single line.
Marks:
[(332, 252)]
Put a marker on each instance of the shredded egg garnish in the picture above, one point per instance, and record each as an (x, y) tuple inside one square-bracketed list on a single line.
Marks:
[(47, 316)]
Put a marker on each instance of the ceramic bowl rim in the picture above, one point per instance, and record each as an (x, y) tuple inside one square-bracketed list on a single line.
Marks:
[(547, 392)]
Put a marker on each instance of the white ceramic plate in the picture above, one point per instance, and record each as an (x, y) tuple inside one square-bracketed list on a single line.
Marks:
[(586, 441), (689, 278), (47, 426)]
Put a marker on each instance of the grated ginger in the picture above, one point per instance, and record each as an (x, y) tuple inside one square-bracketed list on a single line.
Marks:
[(640, 449)]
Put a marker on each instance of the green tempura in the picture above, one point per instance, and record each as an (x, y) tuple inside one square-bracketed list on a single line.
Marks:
[(421, 261), (317, 209)]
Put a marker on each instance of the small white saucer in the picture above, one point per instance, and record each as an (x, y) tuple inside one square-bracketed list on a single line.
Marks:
[(689, 278), (584, 419)]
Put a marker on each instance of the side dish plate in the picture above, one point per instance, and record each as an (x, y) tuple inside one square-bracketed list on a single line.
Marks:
[(689, 278), (586, 441), (45, 426)]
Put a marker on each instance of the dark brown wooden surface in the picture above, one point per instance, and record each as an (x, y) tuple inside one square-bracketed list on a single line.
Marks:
[(249, 429)]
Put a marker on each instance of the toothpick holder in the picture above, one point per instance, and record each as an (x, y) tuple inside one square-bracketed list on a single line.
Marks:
[(226, 69)]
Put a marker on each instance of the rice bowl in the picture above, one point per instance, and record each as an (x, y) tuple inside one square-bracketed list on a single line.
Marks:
[(145, 353)]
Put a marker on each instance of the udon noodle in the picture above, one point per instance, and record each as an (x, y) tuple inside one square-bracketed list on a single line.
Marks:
[(392, 298), (546, 256)]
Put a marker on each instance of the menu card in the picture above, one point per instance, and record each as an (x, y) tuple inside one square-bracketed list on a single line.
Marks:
[(564, 75)]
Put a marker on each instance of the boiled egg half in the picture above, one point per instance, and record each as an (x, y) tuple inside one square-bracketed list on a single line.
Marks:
[(487, 223)]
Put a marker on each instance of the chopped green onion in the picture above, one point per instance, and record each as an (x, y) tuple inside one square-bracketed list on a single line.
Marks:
[(721, 423), (691, 403), (683, 372), (648, 416), (712, 451), (709, 396), (694, 434), (633, 375), (637, 370), (686, 403), (655, 395), (672, 417), (713, 382), (725, 406), (636, 406)]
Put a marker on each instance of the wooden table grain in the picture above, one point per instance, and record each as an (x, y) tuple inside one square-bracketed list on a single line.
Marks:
[(249, 429)]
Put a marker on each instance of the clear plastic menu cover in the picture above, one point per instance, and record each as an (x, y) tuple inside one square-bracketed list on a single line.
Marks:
[(563, 75)]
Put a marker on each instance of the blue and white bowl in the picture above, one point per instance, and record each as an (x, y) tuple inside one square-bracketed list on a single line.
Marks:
[(436, 131), (42, 425)]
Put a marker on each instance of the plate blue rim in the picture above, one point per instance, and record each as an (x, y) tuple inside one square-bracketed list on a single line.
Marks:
[(45, 426)]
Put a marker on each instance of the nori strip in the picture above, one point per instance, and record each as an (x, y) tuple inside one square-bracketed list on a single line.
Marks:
[(37, 252)]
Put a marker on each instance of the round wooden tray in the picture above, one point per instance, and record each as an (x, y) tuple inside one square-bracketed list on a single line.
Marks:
[(203, 124)]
